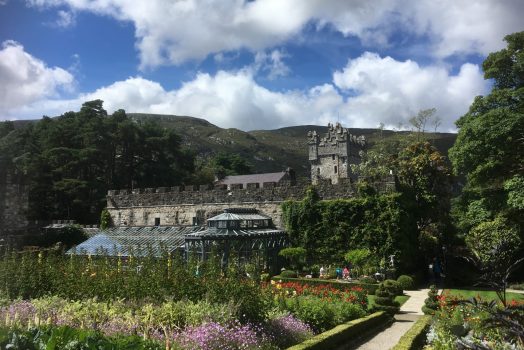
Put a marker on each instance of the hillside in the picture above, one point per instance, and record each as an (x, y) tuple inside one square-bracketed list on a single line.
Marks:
[(267, 150)]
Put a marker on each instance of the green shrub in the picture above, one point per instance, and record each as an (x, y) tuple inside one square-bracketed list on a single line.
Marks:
[(384, 300), (322, 314), (393, 287), (406, 282), (367, 279), (265, 277), (431, 304), (415, 337), (288, 274)]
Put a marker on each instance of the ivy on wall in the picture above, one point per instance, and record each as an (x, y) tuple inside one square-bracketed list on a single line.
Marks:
[(327, 229)]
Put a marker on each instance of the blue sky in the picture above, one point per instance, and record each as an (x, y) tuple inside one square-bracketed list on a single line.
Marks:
[(258, 64)]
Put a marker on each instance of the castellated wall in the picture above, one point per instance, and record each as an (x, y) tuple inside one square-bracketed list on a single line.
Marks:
[(191, 205)]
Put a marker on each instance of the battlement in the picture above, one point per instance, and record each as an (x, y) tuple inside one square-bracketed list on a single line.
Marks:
[(336, 134), (193, 194)]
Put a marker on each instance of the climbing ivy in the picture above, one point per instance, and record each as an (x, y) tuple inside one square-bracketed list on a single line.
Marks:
[(327, 229)]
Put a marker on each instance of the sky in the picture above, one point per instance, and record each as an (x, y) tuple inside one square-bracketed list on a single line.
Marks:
[(261, 64)]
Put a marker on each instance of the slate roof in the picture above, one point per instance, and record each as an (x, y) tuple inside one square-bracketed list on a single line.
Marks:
[(252, 178), (139, 240)]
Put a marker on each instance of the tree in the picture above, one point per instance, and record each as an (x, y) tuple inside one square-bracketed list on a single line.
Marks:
[(495, 246), (420, 121), (359, 258), (295, 256), (225, 164), (489, 151)]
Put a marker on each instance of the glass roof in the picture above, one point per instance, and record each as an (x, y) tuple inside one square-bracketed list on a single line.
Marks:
[(139, 240)]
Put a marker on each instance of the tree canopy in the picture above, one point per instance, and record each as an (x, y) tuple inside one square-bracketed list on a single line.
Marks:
[(72, 160), (489, 150)]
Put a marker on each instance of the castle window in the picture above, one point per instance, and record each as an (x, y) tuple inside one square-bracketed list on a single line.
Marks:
[(157, 221), (343, 160), (318, 171), (336, 169), (333, 156)]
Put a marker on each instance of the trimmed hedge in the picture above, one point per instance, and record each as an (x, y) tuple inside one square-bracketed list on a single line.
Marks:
[(415, 337), (346, 333), (369, 288)]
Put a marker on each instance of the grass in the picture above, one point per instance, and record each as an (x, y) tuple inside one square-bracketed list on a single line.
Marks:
[(400, 298), (484, 294)]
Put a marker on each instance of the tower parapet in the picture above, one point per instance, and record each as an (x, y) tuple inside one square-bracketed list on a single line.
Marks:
[(331, 155)]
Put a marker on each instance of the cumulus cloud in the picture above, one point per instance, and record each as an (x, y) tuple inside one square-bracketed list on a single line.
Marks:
[(369, 90), (171, 32), (25, 79), (272, 63), (390, 91)]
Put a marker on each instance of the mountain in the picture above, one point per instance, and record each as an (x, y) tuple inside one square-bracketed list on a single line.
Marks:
[(267, 150)]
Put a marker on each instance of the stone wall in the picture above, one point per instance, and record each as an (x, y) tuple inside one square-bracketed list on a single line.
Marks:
[(193, 205), (13, 202)]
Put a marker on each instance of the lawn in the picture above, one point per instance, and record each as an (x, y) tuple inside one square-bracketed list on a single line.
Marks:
[(484, 294), (400, 298)]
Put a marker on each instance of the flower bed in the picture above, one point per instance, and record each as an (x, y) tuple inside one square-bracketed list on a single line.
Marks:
[(478, 323), (342, 285)]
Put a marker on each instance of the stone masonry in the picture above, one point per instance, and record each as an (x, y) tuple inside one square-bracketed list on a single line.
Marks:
[(331, 155), (13, 202), (330, 158)]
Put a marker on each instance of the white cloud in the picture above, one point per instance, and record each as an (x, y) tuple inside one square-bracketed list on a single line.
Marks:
[(171, 32), (372, 90), (390, 91), (25, 79), (65, 19), (272, 63)]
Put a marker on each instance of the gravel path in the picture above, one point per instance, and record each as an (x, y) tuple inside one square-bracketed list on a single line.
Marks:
[(409, 313)]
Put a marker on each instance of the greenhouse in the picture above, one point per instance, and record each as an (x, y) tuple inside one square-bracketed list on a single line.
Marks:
[(124, 241), (244, 232)]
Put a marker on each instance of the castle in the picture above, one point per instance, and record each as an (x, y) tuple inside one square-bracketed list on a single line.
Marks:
[(330, 158)]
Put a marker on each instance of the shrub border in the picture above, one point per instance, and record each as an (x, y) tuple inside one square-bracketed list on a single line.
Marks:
[(369, 288), (415, 337), (349, 332)]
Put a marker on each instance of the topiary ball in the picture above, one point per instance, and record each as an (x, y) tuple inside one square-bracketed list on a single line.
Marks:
[(406, 282)]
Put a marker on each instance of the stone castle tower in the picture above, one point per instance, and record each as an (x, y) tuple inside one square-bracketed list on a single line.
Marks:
[(331, 155)]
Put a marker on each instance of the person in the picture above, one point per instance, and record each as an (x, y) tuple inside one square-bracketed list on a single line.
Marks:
[(437, 270), (322, 272), (338, 271), (345, 273)]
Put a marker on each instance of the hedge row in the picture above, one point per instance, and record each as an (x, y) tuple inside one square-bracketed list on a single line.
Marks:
[(346, 333), (368, 287), (415, 337)]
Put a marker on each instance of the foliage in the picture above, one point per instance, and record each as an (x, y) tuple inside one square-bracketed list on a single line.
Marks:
[(415, 337), (225, 164), (384, 300), (328, 229), (287, 330), (495, 245), (359, 258), (71, 161), (288, 274), (67, 237), (476, 324), (141, 276), (105, 219), (489, 147), (406, 282), (431, 304), (295, 255), (393, 287), (51, 338), (320, 306)]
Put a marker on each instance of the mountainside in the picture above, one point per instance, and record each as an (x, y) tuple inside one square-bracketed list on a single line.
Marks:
[(266, 150)]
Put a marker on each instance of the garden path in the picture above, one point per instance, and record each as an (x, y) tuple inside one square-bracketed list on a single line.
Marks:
[(409, 313)]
